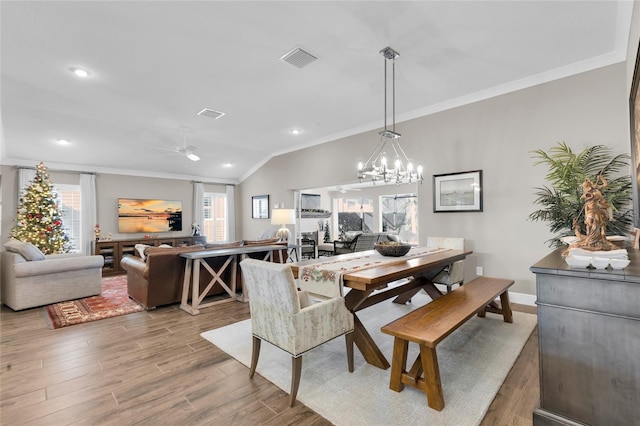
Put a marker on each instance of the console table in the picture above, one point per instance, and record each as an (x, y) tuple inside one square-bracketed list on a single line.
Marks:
[(194, 260), (589, 343), (113, 250)]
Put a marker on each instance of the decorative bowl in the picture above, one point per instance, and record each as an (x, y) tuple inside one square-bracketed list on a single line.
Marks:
[(619, 263), (576, 261), (392, 248), (600, 262)]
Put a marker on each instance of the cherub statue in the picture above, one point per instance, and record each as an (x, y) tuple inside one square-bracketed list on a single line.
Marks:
[(597, 211)]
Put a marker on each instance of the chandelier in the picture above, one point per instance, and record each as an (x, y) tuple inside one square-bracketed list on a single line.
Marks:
[(377, 167)]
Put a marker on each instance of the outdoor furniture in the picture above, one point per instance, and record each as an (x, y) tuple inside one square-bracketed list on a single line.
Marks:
[(360, 242), (286, 318), (308, 249), (325, 249)]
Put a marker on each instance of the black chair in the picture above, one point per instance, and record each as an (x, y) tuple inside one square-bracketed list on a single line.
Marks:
[(308, 245)]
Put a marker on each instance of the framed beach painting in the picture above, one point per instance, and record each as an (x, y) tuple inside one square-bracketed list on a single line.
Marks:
[(457, 192)]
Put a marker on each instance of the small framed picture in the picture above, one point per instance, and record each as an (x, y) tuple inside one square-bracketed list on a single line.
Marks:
[(260, 207), (457, 192)]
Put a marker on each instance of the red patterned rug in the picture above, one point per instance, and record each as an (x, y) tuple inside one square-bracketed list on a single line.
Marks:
[(112, 302)]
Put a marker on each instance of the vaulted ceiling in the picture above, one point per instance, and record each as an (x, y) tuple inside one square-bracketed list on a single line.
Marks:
[(153, 65)]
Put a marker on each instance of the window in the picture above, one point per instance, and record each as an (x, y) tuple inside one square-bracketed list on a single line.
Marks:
[(215, 217), (355, 214), (69, 206), (400, 216)]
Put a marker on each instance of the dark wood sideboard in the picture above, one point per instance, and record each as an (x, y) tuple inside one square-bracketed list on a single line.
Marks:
[(589, 339), (114, 250)]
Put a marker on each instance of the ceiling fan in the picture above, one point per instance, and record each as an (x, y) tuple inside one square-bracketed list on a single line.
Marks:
[(186, 150), (345, 189)]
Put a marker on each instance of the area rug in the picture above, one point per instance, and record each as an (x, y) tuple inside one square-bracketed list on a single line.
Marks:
[(474, 362), (113, 301)]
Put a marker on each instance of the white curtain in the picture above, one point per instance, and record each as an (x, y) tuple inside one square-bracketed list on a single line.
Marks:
[(89, 217), (25, 176), (231, 213), (198, 205)]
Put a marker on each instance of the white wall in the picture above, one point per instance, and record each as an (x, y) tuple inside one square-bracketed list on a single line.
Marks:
[(496, 136)]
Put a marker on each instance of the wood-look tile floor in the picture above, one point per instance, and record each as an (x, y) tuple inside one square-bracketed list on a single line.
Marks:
[(154, 368)]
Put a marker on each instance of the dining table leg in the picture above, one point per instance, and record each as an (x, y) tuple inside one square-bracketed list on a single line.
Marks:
[(425, 284), (369, 349), (361, 337)]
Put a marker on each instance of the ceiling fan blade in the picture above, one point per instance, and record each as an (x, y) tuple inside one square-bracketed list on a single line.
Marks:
[(164, 149)]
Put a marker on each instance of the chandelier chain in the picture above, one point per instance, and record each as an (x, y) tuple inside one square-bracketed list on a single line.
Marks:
[(376, 167)]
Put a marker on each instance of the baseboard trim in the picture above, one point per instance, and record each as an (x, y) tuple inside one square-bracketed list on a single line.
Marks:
[(520, 298)]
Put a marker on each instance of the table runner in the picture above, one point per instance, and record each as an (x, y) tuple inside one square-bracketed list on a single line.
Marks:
[(325, 278)]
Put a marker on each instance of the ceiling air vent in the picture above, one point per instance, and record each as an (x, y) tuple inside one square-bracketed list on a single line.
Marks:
[(211, 113), (298, 57)]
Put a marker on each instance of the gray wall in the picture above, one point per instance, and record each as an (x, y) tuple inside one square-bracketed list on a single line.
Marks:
[(496, 136), (110, 187)]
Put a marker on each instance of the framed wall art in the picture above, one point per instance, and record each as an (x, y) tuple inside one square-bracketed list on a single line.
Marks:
[(457, 192), (260, 207)]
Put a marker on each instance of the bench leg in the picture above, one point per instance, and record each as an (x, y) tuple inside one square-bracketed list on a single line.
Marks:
[(435, 398), (506, 307), (398, 362)]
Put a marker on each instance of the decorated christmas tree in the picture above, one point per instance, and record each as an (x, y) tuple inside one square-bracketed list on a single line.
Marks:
[(39, 221)]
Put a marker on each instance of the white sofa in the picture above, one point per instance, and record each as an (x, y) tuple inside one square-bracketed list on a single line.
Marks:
[(56, 278)]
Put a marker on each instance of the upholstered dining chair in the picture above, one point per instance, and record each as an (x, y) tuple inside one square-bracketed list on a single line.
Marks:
[(453, 273), (286, 318)]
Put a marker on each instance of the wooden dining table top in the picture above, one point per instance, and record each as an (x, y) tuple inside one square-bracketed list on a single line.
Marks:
[(391, 270)]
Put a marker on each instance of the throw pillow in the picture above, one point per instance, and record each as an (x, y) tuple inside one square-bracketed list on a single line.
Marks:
[(140, 249), (268, 233), (351, 235), (26, 250)]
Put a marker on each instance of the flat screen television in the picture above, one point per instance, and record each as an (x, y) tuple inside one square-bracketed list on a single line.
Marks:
[(310, 202), (149, 216)]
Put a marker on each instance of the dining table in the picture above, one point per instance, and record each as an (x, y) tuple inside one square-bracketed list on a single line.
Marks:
[(377, 278)]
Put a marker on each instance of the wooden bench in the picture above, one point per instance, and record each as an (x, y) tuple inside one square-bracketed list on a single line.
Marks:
[(429, 325)]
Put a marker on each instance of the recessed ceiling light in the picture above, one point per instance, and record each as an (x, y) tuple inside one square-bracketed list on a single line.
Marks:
[(227, 165), (295, 131), (79, 72), (63, 142)]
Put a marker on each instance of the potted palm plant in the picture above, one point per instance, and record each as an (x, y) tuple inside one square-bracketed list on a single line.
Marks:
[(561, 204)]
